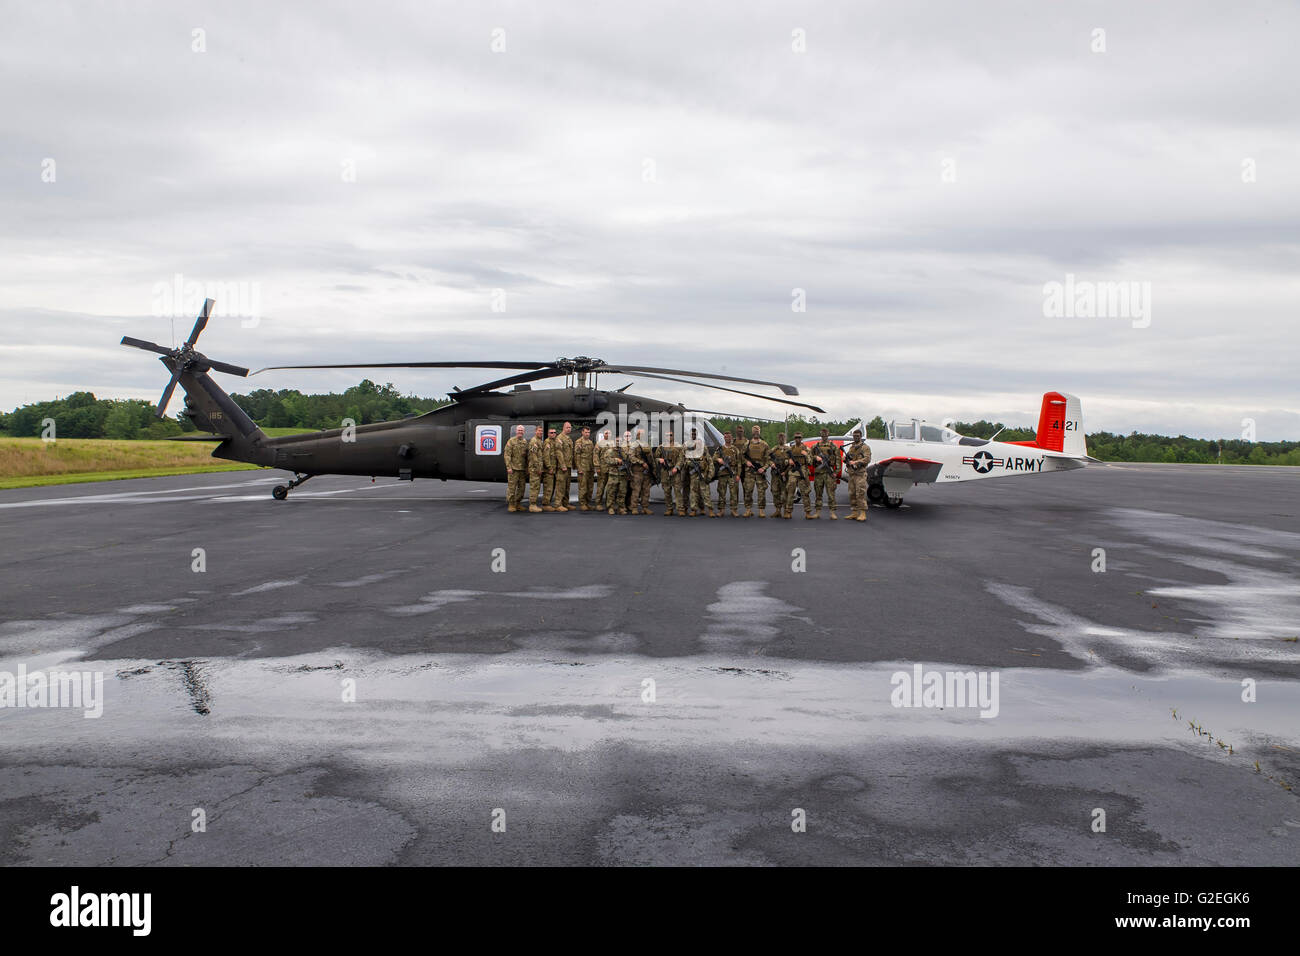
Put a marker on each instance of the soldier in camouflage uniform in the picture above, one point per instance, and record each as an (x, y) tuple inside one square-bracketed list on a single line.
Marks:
[(602, 473), (669, 457), (616, 478), (857, 456), (800, 460), (563, 466), (826, 461), (516, 455), (642, 474), (536, 452), (550, 455), (728, 484), (583, 454), (780, 458), (698, 474), (757, 457)]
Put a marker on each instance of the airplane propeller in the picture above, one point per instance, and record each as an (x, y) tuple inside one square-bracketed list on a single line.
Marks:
[(184, 357)]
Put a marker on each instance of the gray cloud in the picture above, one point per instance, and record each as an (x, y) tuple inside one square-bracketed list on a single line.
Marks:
[(524, 171)]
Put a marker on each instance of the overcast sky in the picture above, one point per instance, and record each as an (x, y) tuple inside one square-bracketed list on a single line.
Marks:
[(649, 183)]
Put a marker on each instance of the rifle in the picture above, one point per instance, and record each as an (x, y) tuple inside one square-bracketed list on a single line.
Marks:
[(663, 468), (781, 471), (800, 463), (623, 467), (694, 465), (723, 467), (825, 465), (647, 462)]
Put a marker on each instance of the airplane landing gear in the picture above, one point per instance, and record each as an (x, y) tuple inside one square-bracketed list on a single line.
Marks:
[(877, 495), (280, 492)]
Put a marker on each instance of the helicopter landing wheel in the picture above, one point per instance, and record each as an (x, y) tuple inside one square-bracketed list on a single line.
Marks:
[(876, 494), (893, 502), (280, 492)]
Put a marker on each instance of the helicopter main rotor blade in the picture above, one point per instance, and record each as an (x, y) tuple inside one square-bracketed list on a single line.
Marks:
[(522, 365), (201, 322), (147, 346), (735, 417), (514, 380), (721, 388), (161, 410), (227, 368), (787, 389)]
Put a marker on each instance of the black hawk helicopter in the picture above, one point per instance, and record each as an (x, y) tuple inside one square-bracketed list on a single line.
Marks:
[(461, 440)]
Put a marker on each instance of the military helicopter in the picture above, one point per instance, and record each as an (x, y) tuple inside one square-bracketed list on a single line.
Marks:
[(461, 440)]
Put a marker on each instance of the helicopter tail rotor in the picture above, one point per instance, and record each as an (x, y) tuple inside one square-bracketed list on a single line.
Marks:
[(184, 358)]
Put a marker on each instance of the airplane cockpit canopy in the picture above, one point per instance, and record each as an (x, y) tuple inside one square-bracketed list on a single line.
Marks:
[(917, 430)]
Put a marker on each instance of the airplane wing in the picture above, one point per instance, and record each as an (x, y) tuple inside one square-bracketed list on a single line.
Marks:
[(919, 470)]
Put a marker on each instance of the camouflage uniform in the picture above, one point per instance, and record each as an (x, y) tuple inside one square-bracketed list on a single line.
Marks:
[(615, 479), (549, 457), (780, 458), (728, 484), (757, 458), (583, 453), (800, 459), (825, 477), (670, 477), (697, 484), (563, 465), (642, 477), (602, 473), (536, 447), (856, 458), (516, 455)]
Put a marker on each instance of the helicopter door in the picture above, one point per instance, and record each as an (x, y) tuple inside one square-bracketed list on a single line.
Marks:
[(485, 442)]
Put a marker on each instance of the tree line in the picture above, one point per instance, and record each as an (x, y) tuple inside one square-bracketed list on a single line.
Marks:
[(82, 415)]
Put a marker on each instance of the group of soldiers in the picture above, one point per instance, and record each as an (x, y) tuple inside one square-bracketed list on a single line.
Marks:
[(615, 475)]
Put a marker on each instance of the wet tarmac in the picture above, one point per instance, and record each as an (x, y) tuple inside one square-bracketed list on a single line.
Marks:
[(383, 672)]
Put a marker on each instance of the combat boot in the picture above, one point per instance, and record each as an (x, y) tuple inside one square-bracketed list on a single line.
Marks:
[(561, 508), (748, 512), (813, 515), (834, 516), (583, 506), (762, 512), (735, 514), (511, 507), (534, 509), (860, 516)]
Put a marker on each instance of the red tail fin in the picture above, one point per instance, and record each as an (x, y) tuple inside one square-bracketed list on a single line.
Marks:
[(1051, 422)]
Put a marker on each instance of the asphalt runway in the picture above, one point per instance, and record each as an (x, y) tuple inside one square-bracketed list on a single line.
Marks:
[(587, 689)]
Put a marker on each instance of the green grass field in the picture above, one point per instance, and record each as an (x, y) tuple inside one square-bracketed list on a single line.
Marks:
[(28, 462)]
